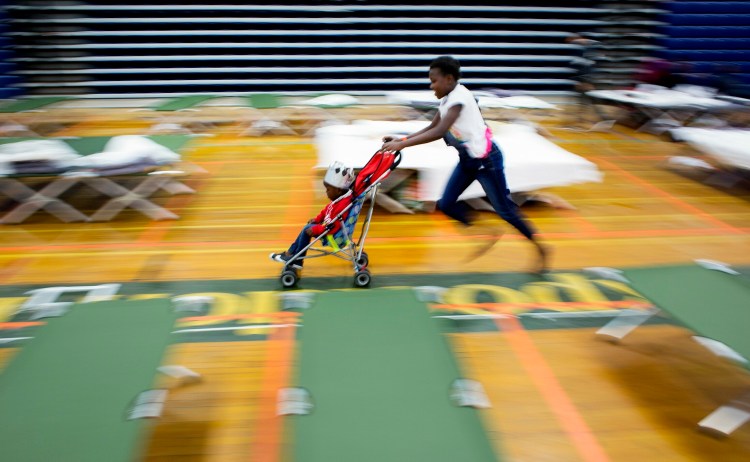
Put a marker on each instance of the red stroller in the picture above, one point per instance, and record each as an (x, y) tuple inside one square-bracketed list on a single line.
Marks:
[(341, 243)]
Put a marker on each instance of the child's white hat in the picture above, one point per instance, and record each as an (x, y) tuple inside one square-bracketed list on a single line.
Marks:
[(339, 175)]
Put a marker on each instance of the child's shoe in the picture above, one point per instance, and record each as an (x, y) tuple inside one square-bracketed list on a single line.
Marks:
[(283, 258)]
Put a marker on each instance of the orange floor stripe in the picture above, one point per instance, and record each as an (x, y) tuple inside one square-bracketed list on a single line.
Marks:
[(229, 317), (13, 268), (510, 308), (296, 217), (678, 202), (559, 402), (19, 325)]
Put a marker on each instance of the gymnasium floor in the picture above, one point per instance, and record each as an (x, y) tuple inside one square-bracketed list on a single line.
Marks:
[(557, 393)]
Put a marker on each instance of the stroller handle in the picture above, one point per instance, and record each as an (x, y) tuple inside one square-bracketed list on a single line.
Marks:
[(396, 160)]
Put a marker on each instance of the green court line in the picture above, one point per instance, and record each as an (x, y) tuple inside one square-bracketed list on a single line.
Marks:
[(379, 373), (711, 303), (94, 144), (29, 104), (264, 101), (65, 395)]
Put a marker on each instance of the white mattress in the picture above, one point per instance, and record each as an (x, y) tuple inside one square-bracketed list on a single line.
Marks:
[(531, 161), (728, 147)]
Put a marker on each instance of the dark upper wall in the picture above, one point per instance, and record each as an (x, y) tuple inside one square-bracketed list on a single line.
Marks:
[(8, 78), (106, 47)]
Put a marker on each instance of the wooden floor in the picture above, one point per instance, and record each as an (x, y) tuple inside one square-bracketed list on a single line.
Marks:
[(558, 395)]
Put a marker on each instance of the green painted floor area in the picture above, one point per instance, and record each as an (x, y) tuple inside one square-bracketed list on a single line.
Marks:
[(379, 373), (712, 303), (66, 395), (28, 104)]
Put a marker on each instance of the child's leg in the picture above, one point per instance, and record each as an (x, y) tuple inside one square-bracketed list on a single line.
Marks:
[(302, 241)]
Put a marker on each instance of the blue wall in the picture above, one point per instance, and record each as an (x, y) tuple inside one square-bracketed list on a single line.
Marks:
[(710, 36), (7, 79)]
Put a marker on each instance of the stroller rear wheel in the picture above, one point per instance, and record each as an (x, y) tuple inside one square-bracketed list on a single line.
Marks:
[(363, 261), (362, 278), (289, 278)]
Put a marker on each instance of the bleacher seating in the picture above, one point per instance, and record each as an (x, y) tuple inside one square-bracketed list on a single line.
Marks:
[(104, 47), (711, 37)]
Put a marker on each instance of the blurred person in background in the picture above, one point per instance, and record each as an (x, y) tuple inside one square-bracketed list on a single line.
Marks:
[(582, 63)]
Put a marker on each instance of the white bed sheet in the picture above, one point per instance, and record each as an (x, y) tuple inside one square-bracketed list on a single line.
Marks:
[(531, 161), (661, 99), (486, 100), (729, 147)]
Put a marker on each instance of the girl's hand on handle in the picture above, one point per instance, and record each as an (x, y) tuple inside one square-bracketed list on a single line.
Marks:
[(393, 145)]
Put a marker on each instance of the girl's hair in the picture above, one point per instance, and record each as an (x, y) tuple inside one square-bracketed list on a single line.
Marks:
[(448, 65)]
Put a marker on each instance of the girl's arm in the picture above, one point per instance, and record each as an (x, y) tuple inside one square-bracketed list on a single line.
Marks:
[(432, 132)]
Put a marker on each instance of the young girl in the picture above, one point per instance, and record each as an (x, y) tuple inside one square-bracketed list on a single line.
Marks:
[(459, 122), (337, 181)]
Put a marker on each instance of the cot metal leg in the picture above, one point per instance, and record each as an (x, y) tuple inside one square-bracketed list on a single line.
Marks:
[(175, 187), (727, 418), (136, 198), (263, 126), (625, 322), (46, 198)]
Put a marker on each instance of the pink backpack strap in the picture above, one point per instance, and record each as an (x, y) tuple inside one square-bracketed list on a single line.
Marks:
[(488, 139)]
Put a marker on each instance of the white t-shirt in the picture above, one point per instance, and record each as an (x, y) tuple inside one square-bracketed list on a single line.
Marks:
[(469, 128)]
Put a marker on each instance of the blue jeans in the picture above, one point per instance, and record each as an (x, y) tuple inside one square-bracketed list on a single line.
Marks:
[(491, 175), (302, 241)]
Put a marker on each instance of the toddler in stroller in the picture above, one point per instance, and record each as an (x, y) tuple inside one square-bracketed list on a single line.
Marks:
[(334, 226)]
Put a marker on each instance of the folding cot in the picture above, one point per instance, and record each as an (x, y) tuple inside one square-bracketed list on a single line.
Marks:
[(269, 115), (129, 184), (30, 104), (662, 109), (710, 299), (185, 114), (273, 114), (20, 117)]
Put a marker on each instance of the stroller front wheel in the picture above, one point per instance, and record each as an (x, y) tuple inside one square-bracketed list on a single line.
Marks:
[(289, 278), (362, 278)]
